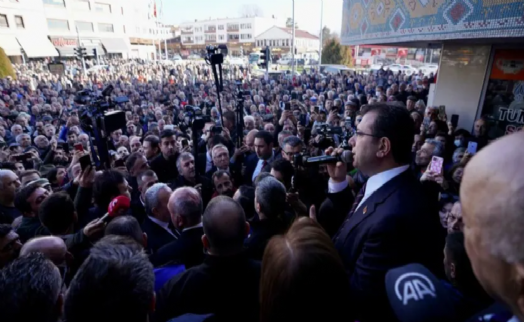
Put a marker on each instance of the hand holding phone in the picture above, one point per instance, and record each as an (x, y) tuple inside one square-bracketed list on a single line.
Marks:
[(472, 147), (436, 165), (85, 161)]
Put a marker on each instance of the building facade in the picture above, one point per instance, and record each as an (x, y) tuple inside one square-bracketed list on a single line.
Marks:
[(237, 33), (481, 69), (44, 28), (280, 40)]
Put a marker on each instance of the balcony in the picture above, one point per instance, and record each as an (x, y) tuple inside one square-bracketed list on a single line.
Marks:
[(211, 41), (186, 32), (188, 41), (210, 30)]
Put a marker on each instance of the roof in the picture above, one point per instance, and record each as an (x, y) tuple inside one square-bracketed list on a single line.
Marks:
[(299, 33)]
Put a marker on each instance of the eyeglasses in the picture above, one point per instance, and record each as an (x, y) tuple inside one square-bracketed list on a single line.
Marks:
[(358, 133)]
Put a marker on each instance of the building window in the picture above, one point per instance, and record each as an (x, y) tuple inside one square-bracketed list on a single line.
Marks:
[(232, 37), (80, 5), (220, 27), (245, 36), (55, 2), (57, 24), (3, 21), (232, 27), (84, 26), (245, 26), (211, 38), (105, 27), (103, 7), (220, 37), (19, 22)]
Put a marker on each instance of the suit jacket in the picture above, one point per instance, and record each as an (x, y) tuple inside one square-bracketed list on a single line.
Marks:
[(200, 163), (225, 286), (138, 211), (261, 233), (251, 164), (207, 186), (395, 226), (236, 175), (156, 235), (187, 250)]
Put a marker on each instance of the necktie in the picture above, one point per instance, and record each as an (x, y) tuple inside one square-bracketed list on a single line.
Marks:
[(264, 163), (358, 199)]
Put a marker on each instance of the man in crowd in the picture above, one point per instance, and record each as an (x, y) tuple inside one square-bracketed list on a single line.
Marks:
[(9, 244), (164, 164), (391, 208), (151, 147), (223, 183), (157, 224), (28, 201), (189, 178), (9, 183), (144, 181), (227, 276), (492, 212), (186, 208), (261, 161), (431, 148)]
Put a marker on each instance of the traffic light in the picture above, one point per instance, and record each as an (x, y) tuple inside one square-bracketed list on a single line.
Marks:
[(95, 52), (265, 58), (80, 52)]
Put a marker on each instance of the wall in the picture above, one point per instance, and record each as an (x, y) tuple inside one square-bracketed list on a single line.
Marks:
[(460, 81), (390, 21), (32, 12)]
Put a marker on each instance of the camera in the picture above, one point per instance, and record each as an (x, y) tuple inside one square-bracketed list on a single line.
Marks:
[(327, 133), (195, 118), (216, 129)]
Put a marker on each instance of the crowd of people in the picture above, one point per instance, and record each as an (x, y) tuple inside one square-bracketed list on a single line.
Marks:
[(290, 204)]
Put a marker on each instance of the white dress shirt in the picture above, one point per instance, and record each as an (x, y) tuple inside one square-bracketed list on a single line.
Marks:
[(209, 161), (259, 166), (164, 225), (373, 184), (192, 227)]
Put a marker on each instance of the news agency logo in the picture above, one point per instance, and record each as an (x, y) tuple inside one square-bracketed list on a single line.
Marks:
[(414, 286)]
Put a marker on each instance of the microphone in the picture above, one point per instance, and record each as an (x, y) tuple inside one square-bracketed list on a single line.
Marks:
[(117, 207), (346, 157), (416, 295)]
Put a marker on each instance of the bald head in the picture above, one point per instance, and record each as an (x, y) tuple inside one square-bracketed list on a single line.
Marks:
[(225, 226), (53, 248), (493, 213), (185, 206)]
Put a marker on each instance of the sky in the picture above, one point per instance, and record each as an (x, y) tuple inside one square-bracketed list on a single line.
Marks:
[(307, 12)]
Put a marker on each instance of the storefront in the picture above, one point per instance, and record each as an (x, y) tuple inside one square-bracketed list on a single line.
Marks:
[(503, 97), (66, 46)]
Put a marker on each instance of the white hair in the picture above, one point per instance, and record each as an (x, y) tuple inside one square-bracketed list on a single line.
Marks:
[(184, 156), (216, 147), (151, 197), (249, 118)]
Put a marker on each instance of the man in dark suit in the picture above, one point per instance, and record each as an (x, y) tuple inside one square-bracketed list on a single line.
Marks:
[(186, 207), (221, 162), (262, 159), (227, 283), (157, 224), (144, 181), (164, 164), (390, 224), (189, 178)]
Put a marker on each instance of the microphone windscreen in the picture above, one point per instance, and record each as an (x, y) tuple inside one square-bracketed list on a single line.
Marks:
[(347, 157), (118, 206), (416, 295)]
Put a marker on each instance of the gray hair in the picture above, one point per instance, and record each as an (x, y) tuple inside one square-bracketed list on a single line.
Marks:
[(420, 103), (15, 126), (216, 147), (439, 148), (152, 196), (190, 206), (293, 142), (271, 196), (249, 118), (281, 135), (184, 156), (20, 136)]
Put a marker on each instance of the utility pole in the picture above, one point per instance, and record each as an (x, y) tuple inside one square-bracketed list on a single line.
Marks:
[(293, 66), (165, 46), (321, 34), (82, 56)]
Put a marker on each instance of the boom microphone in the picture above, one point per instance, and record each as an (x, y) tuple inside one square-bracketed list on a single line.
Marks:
[(346, 157), (117, 207)]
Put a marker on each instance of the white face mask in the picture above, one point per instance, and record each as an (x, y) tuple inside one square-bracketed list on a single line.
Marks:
[(457, 143)]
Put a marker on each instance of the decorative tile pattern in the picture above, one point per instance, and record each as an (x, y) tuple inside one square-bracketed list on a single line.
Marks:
[(390, 21)]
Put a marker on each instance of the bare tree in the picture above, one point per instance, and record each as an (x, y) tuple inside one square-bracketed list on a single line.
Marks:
[(251, 10)]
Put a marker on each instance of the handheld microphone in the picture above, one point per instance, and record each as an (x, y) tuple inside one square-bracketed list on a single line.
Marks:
[(117, 207), (416, 295), (346, 157)]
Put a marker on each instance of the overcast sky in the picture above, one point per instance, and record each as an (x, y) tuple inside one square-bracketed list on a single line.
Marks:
[(307, 12)]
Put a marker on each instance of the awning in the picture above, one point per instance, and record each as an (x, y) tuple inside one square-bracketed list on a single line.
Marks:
[(115, 45), (10, 45), (37, 46)]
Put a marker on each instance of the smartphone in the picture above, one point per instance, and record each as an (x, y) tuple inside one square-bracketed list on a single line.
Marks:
[(317, 109), (426, 123), (216, 129), (23, 157), (79, 147), (185, 143), (436, 165), (472, 147), (442, 112), (287, 107), (454, 120), (294, 96), (85, 161)]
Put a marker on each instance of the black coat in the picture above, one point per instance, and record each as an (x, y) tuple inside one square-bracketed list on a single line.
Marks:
[(395, 226), (156, 235), (225, 286), (261, 233), (187, 250), (251, 164), (207, 186), (166, 170)]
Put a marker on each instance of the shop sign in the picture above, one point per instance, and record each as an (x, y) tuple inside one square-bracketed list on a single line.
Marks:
[(63, 42)]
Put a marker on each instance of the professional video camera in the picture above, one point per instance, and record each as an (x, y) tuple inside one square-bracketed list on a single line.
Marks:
[(327, 137), (194, 117)]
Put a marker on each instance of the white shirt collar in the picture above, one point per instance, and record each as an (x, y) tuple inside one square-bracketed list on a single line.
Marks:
[(378, 180), (192, 227), (162, 224)]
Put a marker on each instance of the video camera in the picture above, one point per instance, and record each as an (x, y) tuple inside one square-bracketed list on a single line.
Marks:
[(326, 135), (194, 117)]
